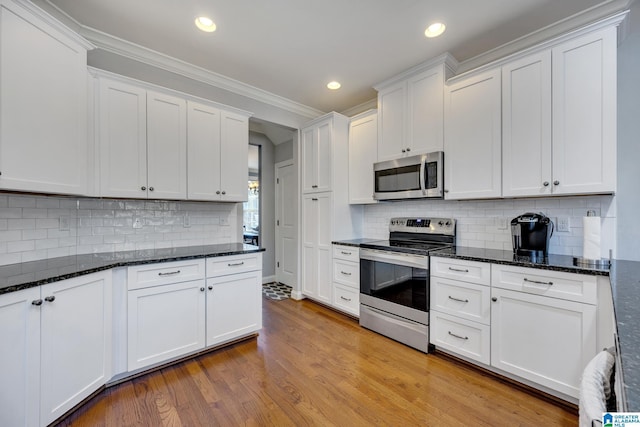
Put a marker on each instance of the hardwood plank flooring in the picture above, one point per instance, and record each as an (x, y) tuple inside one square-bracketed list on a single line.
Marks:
[(313, 366)]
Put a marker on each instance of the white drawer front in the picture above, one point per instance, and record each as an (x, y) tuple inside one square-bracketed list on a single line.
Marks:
[(458, 269), (462, 299), (462, 337), (555, 284), (147, 275), (221, 266), (346, 299), (346, 273), (347, 253)]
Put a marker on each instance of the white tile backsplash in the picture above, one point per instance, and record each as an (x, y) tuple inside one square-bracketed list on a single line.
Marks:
[(30, 227), (480, 222)]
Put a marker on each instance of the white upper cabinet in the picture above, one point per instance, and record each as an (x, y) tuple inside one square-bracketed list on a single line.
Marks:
[(218, 144), (43, 107), (560, 138), (316, 157), (166, 146), (363, 139), (473, 137), (584, 114), (526, 126), (122, 134), (410, 110)]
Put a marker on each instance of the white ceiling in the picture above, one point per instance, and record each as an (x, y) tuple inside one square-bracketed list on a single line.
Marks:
[(292, 48)]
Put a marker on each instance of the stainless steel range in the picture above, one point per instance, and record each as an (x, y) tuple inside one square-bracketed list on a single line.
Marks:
[(394, 278)]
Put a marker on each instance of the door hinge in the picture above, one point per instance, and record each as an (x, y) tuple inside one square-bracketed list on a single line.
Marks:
[(278, 264), (278, 222), (277, 180)]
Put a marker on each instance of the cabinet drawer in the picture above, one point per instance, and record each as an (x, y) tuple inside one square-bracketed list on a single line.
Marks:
[(463, 337), (347, 253), (555, 284), (346, 299), (461, 299), (346, 273), (458, 269), (220, 266), (147, 275)]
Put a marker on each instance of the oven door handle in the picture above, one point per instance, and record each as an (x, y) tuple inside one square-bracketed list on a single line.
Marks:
[(416, 261), (423, 168)]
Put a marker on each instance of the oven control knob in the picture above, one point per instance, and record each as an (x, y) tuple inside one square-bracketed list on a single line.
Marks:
[(440, 223), (448, 223)]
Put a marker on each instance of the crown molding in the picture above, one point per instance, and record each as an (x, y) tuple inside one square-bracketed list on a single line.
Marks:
[(446, 59), (371, 104), (156, 59)]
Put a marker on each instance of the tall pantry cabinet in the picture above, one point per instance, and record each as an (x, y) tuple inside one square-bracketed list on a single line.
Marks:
[(326, 214)]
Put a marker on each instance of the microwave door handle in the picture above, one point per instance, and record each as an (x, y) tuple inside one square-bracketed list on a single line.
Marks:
[(423, 168)]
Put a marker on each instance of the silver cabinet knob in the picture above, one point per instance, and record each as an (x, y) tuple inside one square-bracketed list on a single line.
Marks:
[(218, 192), (556, 182), (51, 298), (224, 192), (143, 188), (494, 299), (404, 151), (546, 183), (201, 289), (150, 188), (36, 302), (210, 287), (408, 149)]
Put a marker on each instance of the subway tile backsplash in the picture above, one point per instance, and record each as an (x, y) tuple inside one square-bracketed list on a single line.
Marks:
[(485, 224), (37, 227)]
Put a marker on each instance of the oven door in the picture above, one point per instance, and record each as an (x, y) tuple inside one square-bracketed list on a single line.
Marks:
[(395, 282)]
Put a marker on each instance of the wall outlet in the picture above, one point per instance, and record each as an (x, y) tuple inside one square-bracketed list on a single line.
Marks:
[(137, 222), (562, 224), (187, 221), (64, 223)]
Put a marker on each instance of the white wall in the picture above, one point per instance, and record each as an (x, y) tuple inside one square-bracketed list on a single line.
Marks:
[(30, 225), (628, 195), (479, 222)]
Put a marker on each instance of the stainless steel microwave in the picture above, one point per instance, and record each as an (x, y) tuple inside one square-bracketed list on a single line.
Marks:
[(412, 177)]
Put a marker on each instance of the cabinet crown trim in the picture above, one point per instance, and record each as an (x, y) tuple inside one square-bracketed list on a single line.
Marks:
[(445, 59)]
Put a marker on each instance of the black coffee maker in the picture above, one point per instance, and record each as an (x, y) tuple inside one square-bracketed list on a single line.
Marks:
[(530, 233)]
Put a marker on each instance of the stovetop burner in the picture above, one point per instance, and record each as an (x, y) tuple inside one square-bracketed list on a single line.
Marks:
[(417, 235)]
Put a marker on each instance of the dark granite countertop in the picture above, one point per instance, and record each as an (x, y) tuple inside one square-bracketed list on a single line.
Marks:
[(353, 242), (14, 277)]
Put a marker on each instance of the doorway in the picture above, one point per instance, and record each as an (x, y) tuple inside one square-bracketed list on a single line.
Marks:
[(251, 208), (286, 223)]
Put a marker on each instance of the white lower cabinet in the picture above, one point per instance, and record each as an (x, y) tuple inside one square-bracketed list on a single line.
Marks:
[(346, 279), (175, 308), (60, 336), (536, 326)]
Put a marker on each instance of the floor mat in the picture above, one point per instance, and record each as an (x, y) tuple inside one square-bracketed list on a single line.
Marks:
[(276, 291)]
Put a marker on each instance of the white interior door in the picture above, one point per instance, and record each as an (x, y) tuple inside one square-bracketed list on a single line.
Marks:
[(286, 214)]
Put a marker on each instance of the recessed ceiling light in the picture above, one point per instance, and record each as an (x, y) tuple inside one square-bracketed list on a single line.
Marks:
[(333, 85), (435, 29), (205, 24)]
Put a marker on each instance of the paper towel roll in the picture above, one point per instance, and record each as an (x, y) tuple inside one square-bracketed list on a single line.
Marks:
[(591, 237)]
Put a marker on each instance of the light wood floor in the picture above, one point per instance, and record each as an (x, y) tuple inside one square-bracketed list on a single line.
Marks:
[(313, 366)]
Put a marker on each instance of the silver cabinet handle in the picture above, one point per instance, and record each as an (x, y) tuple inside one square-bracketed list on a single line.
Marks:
[(458, 336), (345, 299), (143, 188), (150, 188), (51, 298), (36, 302), (458, 299), (235, 264), (538, 282), (169, 273), (345, 253), (314, 199), (556, 182), (314, 186), (345, 273), (546, 183), (459, 270)]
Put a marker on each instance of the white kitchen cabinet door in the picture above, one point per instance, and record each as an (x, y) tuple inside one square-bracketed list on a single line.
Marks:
[(545, 340), (391, 121), (43, 107), (20, 358), (316, 246), (526, 126), (472, 144), (425, 113), (165, 322), (203, 152), (316, 157), (363, 153), (234, 152), (75, 341), (584, 114), (166, 146), (234, 306), (122, 131)]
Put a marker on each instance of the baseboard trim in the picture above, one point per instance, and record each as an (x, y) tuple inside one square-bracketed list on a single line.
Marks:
[(268, 279)]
